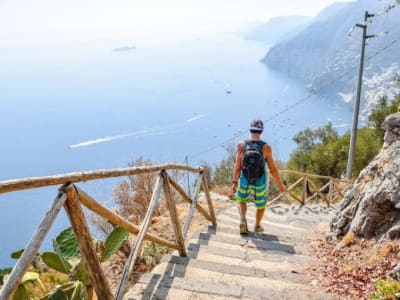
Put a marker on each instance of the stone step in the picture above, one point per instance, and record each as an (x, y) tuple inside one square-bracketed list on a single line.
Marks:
[(271, 294), (266, 223), (181, 266), (234, 252), (252, 243), (273, 264), (233, 231), (270, 233), (155, 282), (142, 291), (280, 281), (290, 235), (290, 222), (287, 215)]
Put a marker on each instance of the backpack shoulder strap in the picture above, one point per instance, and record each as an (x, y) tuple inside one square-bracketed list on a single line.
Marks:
[(245, 144)]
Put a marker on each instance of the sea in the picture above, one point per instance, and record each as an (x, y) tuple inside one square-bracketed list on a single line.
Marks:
[(104, 103)]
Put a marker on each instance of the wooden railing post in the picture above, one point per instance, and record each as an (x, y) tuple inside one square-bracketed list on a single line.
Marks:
[(186, 198), (330, 193), (209, 200), (304, 192), (192, 205), (180, 240), (155, 199), (32, 248), (84, 238)]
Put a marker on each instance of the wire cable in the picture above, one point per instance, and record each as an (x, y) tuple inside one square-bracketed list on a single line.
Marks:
[(302, 100)]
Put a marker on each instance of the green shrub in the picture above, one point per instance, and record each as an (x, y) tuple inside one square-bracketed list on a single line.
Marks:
[(387, 289), (4, 272), (153, 253)]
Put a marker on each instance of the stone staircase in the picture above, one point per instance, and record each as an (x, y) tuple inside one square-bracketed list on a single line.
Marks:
[(222, 264)]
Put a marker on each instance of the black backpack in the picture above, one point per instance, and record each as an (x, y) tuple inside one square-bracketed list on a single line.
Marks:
[(253, 163)]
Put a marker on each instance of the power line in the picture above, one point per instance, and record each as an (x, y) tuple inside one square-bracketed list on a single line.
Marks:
[(302, 100)]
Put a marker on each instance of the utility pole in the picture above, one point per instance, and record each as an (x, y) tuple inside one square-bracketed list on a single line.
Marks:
[(358, 97)]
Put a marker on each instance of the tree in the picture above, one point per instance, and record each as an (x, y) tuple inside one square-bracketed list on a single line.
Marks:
[(322, 151), (380, 112), (224, 171), (318, 151)]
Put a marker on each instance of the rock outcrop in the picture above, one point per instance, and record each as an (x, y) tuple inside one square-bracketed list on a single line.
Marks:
[(371, 207)]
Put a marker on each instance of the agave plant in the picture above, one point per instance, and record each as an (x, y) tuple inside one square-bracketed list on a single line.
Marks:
[(66, 259)]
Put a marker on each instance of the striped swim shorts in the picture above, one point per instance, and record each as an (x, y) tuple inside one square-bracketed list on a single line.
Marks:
[(257, 189)]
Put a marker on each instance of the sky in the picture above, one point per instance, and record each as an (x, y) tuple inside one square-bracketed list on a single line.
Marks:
[(24, 22)]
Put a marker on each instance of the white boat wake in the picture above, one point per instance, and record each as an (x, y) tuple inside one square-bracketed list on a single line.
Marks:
[(171, 129), (195, 118)]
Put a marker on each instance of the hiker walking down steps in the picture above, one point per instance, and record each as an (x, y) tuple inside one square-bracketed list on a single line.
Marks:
[(250, 176)]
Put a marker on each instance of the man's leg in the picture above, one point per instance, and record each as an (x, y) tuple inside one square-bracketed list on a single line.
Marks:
[(259, 216), (242, 195), (242, 207), (260, 202)]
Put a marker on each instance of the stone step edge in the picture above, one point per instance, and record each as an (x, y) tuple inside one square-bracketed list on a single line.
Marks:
[(215, 267), (157, 280)]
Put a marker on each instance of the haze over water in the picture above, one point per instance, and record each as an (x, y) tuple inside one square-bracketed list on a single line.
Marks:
[(82, 107)]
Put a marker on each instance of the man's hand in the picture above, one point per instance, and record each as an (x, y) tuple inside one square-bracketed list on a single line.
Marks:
[(282, 188), (234, 186)]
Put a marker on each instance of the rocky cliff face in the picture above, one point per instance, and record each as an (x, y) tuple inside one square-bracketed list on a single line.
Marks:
[(324, 57), (371, 207)]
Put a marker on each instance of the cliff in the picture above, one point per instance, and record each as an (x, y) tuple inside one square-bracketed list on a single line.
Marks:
[(326, 58), (371, 207)]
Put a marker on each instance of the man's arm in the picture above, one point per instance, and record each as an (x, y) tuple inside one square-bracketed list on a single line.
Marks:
[(238, 166), (267, 151)]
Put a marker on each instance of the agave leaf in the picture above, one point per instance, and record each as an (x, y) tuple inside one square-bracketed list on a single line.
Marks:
[(30, 276), (21, 293), (58, 294), (17, 254), (81, 274), (66, 244), (114, 242), (74, 261), (56, 262), (80, 292)]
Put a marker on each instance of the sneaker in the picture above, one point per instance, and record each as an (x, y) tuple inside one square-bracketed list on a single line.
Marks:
[(243, 228), (258, 228)]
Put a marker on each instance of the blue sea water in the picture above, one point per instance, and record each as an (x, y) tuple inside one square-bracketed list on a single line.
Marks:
[(83, 106)]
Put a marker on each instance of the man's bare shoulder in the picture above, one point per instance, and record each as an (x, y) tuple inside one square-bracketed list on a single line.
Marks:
[(240, 146), (267, 148)]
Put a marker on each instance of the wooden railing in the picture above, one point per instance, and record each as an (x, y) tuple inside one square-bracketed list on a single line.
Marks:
[(71, 198), (330, 192)]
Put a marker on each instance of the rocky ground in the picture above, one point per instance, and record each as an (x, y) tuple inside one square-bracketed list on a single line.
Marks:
[(352, 271)]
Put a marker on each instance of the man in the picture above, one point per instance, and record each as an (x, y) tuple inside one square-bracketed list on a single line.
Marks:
[(251, 175)]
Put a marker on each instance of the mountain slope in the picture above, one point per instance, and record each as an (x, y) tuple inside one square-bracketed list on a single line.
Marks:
[(325, 57), (278, 29)]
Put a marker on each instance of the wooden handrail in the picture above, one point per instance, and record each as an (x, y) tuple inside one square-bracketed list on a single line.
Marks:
[(117, 220), (71, 197), (35, 182), (313, 175)]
